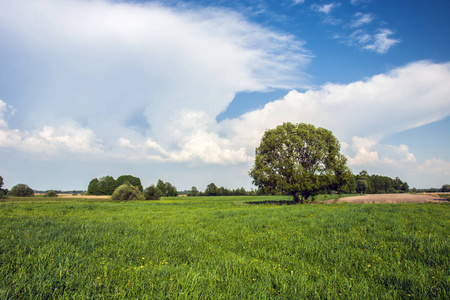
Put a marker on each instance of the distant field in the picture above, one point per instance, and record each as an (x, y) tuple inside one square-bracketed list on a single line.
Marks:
[(221, 248)]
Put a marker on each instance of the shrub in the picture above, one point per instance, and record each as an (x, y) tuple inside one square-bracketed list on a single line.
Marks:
[(127, 192), (50, 194), (21, 190)]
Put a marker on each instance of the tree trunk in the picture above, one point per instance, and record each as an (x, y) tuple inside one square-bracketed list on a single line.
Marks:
[(296, 198)]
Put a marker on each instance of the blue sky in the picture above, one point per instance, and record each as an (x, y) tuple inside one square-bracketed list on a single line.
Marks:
[(183, 90)]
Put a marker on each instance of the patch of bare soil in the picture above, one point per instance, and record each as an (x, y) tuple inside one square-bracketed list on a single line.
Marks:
[(394, 198)]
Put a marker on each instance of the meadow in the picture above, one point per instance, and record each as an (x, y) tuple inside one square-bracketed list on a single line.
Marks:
[(222, 248)]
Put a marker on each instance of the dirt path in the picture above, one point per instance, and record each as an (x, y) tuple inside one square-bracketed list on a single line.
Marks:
[(393, 198)]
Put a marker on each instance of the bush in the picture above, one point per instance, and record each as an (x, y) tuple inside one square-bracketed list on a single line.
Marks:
[(21, 190), (127, 192), (50, 194)]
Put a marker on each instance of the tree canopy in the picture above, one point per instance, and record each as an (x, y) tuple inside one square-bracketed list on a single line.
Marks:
[(134, 181), (299, 159), (21, 190)]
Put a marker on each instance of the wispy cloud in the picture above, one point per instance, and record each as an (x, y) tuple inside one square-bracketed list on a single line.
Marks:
[(325, 8), (381, 42), (358, 30), (362, 19)]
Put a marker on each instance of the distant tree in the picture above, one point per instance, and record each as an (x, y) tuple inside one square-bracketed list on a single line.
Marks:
[(171, 191), (405, 187), (161, 187), (350, 187), (127, 192), (107, 185), (212, 190), (193, 191), (134, 181), (93, 187), (51, 194), (21, 190), (2, 191), (152, 193), (445, 188), (299, 159), (361, 186)]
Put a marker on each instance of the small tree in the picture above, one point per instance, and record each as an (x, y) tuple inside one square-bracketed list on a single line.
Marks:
[(152, 193), (51, 194), (127, 192), (193, 192), (21, 190), (361, 186), (299, 159), (212, 190)]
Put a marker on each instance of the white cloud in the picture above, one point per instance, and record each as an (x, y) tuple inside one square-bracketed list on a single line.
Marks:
[(368, 152), (50, 142), (298, 1), (381, 42), (325, 8), (105, 64), (435, 166), (362, 19)]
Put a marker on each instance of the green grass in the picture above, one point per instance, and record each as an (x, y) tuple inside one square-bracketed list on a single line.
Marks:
[(221, 248)]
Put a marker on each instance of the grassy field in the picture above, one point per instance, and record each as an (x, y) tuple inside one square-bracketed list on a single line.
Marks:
[(221, 248)]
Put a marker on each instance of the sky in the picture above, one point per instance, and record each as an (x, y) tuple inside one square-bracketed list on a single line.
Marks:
[(183, 90)]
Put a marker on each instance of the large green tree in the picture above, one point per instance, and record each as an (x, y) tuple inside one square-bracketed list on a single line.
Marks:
[(299, 159)]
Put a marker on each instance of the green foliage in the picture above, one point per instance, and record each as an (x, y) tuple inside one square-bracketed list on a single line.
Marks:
[(127, 192), (218, 248), (299, 159), (152, 193), (93, 188), (21, 190), (51, 194), (376, 184), (361, 186), (103, 186), (445, 188), (2, 191), (166, 189), (193, 192), (211, 190), (134, 181), (107, 185)]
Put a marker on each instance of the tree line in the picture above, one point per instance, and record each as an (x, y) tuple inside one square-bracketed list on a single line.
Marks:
[(130, 186), (213, 190), (373, 184)]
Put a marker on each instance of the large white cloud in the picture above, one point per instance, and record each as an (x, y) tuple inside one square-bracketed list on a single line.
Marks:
[(405, 98), (133, 71)]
